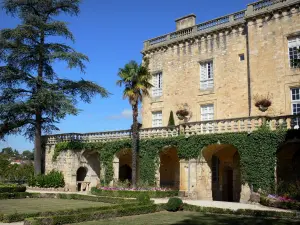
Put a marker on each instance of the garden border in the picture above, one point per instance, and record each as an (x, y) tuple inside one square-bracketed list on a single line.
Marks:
[(15, 217), (281, 205), (147, 209), (133, 194)]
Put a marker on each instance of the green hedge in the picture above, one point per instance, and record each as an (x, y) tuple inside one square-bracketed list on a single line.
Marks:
[(18, 195), (106, 199), (133, 194), (9, 188), (241, 212), (96, 215), (53, 179), (16, 217), (277, 204)]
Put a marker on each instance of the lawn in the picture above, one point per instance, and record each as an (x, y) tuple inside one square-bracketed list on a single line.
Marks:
[(189, 218), (32, 205)]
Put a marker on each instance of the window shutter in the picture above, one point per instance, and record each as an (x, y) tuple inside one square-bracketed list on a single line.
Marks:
[(203, 76)]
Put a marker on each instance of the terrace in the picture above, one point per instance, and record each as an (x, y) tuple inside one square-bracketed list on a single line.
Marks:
[(247, 124), (231, 20)]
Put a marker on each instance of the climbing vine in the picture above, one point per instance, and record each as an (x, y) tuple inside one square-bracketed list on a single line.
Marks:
[(257, 152)]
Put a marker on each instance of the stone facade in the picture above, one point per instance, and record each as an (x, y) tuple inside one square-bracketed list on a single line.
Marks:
[(249, 51), (263, 42), (69, 162)]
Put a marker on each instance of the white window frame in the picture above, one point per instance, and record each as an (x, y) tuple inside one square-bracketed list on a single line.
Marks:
[(207, 112), (206, 75), (157, 119), (295, 102), (157, 82), (293, 46)]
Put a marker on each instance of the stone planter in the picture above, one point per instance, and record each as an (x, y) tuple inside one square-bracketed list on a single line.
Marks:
[(262, 108)]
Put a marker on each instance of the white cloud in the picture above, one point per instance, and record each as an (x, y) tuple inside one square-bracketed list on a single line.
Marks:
[(125, 114)]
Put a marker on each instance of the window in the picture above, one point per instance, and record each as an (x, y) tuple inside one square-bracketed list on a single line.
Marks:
[(206, 75), (207, 112), (157, 119), (293, 44), (157, 85), (242, 57), (295, 95)]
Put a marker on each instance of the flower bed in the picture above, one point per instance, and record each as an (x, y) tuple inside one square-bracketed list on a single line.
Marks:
[(133, 193), (282, 202)]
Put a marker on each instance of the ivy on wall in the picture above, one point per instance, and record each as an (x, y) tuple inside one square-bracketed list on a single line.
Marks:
[(257, 152)]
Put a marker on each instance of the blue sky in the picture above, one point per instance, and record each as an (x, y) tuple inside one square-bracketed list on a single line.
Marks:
[(110, 33)]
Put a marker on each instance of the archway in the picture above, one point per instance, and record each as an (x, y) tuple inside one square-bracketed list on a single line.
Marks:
[(125, 165), (80, 176), (169, 169), (224, 162), (288, 168)]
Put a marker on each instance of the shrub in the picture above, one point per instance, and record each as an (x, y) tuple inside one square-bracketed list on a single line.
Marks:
[(54, 179), (289, 189), (133, 194), (143, 198), (16, 217), (94, 215), (174, 204), (17, 195), (241, 212), (10, 188), (171, 119)]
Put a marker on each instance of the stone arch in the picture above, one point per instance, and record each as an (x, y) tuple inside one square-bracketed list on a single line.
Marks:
[(169, 169), (225, 175), (81, 174), (288, 166), (124, 160)]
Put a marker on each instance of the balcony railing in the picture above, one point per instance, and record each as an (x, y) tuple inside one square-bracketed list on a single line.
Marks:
[(225, 21), (247, 124)]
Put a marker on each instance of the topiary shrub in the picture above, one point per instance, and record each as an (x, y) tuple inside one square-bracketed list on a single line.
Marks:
[(174, 204), (143, 198)]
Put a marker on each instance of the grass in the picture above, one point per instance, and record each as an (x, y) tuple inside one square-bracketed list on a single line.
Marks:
[(190, 218), (31, 205)]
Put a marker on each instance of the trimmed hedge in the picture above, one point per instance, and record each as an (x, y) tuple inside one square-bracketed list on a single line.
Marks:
[(105, 199), (277, 204), (18, 195), (10, 188), (89, 216), (174, 204), (242, 212), (53, 179), (16, 217), (133, 194)]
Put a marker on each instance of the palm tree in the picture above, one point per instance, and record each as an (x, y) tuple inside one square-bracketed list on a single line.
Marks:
[(136, 80)]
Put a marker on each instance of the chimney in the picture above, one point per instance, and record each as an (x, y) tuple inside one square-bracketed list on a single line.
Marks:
[(186, 21)]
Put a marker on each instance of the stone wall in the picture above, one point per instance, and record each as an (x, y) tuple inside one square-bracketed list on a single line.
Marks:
[(269, 58), (180, 65), (269, 69), (68, 162)]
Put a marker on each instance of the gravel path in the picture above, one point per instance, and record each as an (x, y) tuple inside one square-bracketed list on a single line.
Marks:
[(224, 205)]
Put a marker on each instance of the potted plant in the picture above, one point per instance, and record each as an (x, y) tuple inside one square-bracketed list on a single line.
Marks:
[(182, 114), (263, 102)]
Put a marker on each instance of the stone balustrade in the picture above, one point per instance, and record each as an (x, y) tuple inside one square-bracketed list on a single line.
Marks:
[(233, 19), (247, 124), (265, 3)]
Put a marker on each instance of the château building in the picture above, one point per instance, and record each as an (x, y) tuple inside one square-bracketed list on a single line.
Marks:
[(215, 72)]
